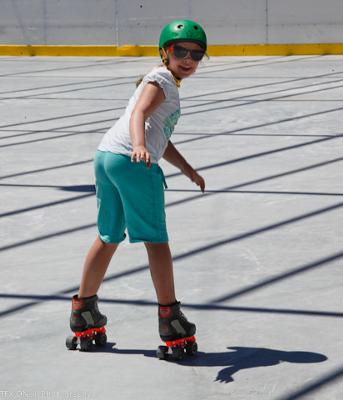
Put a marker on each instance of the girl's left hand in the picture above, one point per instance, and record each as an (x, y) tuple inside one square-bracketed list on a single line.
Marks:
[(197, 179)]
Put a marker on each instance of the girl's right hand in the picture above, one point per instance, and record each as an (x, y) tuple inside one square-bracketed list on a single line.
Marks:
[(140, 153)]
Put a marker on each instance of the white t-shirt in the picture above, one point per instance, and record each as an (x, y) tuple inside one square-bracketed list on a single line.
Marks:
[(158, 127)]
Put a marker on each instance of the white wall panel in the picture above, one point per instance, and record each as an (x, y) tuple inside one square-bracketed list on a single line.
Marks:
[(57, 21), (306, 11), (232, 21), (305, 21), (22, 21), (140, 21), (226, 21), (80, 21)]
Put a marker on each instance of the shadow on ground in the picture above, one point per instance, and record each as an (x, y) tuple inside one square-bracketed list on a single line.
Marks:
[(79, 188), (233, 361)]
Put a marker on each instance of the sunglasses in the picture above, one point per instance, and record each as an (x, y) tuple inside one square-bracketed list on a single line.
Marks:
[(182, 52)]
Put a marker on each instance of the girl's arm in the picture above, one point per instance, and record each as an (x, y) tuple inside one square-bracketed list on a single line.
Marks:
[(150, 99), (174, 157)]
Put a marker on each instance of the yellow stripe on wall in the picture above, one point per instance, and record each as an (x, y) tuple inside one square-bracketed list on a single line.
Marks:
[(145, 50), (276, 49), (77, 50)]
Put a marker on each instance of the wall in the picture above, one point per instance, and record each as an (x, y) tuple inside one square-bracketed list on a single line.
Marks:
[(139, 22)]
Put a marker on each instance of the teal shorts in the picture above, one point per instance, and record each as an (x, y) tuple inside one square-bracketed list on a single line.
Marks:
[(130, 197)]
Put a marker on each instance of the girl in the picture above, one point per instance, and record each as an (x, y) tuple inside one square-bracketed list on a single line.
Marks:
[(129, 186)]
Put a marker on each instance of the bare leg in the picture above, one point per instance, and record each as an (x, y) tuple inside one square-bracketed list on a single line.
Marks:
[(161, 269), (97, 261)]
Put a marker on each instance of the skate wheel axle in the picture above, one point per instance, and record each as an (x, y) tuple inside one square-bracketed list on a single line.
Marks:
[(85, 339), (177, 349)]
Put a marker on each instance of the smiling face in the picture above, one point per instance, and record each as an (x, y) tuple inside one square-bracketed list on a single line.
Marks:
[(183, 67)]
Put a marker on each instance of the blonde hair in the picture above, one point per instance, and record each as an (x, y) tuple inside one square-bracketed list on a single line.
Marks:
[(139, 81), (141, 77)]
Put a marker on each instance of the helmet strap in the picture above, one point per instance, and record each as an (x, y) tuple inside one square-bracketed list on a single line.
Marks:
[(165, 61), (176, 79), (164, 57)]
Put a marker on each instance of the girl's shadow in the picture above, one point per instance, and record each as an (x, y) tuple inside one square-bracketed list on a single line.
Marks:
[(238, 359)]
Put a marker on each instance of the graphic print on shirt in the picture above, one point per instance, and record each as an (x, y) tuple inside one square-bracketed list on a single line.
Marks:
[(170, 122)]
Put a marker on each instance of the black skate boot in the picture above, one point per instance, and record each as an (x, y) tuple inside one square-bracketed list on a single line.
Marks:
[(177, 333), (87, 323)]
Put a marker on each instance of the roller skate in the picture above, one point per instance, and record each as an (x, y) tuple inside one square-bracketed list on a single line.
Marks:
[(87, 323), (177, 333)]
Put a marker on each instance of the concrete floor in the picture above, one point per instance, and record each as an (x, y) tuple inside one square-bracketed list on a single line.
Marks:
[(258, 257)]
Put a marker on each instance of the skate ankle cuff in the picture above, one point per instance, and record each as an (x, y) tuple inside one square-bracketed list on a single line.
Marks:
[(77, 297), (80, 302), (169, 305), (89, 297)]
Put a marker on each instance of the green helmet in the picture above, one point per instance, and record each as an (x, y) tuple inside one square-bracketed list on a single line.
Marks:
[(183, 30)]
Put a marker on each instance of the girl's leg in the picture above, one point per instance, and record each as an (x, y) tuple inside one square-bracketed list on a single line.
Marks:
[(161, 269), (172, 323), (97, 261)]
